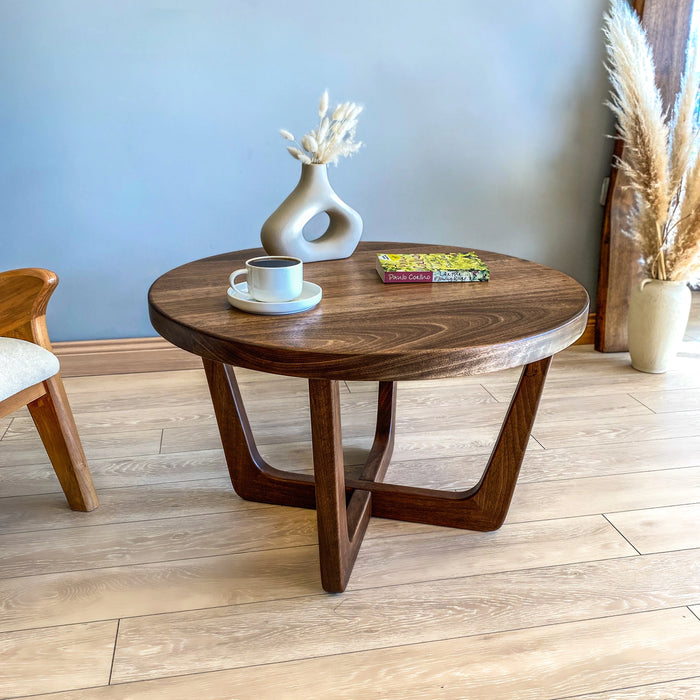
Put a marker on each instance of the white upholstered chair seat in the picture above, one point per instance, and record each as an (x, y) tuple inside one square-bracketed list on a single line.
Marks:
[(23, 364)]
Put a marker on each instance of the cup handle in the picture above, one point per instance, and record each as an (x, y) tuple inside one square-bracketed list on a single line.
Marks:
[(232, 281)]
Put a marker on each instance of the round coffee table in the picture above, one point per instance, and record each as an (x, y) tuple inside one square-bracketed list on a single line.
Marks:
[(364, 329)]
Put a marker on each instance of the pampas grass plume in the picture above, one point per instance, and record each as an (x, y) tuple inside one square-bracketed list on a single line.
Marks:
[(661, 171), (323, 105), (299, 155), (309, 143)]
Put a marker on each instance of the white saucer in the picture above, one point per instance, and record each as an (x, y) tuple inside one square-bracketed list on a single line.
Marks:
[(310, 296)]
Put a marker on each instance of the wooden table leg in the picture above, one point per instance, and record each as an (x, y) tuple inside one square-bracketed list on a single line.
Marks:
[(256, 480), (485, 505), (251, 476), (383, 445), (341, 526), (342, 519)]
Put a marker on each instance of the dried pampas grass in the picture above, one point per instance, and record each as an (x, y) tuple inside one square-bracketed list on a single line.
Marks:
[(660, 158), (333, 139)]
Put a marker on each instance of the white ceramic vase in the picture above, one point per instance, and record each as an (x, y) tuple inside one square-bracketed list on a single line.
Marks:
[(283, 232), (657, 318)]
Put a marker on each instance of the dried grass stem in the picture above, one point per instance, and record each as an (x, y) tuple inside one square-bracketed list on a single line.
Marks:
[(334, 137), (660, 157)]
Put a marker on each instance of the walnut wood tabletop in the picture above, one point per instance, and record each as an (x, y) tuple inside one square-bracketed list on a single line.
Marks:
[(364, 329)]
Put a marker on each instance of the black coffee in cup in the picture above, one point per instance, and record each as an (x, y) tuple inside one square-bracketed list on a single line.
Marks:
[(274, 262)]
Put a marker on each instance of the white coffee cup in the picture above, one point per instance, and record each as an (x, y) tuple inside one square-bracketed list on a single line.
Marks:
[(271, 278)]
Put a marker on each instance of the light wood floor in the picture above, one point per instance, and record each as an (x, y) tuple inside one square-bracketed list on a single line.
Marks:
[(176, 588)]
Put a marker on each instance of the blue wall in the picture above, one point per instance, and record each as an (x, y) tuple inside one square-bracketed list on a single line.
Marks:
[(136, 135)]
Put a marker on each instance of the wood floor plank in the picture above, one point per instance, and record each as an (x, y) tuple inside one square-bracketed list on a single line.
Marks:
[(686, 689), (555, 408), (270, 410), (156, 397), (553, 464), (539, 663), (141, 470), (445, 552), (29, 450), (660, 529), (70, 549), (478, 434), (584, 372), (459, 472), (587, 386), (670, 401), (408, 559), (455, 384), (56, 659), (276, 419), (121, 505), (620, 429), (138, 382), (609, 458), (421, 410), (294, 456), (176, 410), (289, 422), (604, 373), (107, 422), (427, 459), (448, 472), (155, 389), (168, 539), (439, 403), (141, 383), (476, 443), (285, 420), (583, 358), (185, 439), (150, 589), (207, 640), (426, 392), (211, 582), (604, 494)]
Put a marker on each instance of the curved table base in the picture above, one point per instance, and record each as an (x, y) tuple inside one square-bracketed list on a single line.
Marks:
[(344, 506)]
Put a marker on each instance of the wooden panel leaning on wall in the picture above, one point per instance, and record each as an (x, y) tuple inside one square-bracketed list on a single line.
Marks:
[(667, 30)]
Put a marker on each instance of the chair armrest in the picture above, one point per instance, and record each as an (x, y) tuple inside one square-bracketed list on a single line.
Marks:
[(24, 295)]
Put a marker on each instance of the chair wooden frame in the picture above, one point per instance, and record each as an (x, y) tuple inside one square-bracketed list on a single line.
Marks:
[(24, 296)]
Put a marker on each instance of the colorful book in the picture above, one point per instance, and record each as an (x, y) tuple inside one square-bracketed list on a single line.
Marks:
[(431, 267)]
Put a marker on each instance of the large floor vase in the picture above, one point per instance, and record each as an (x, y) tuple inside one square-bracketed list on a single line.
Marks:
[(658, 316), (283, 232)]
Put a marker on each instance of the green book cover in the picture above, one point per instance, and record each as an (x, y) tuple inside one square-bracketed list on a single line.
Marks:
[(432, 267)]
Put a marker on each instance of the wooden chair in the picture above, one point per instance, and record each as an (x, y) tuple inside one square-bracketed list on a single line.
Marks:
[(29, 375)]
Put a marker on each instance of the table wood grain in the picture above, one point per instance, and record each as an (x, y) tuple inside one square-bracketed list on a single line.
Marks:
[(364, 329)]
